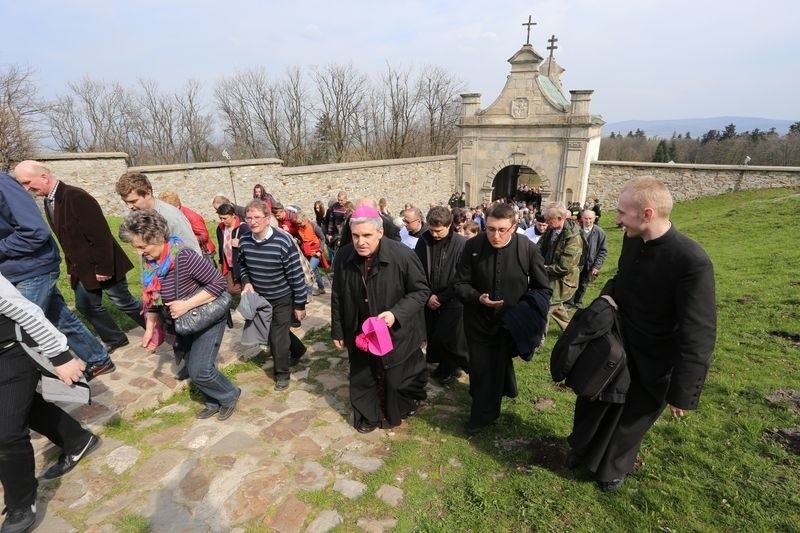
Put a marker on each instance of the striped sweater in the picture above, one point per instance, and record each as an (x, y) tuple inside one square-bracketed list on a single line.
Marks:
[(17, 309), (272, 266)]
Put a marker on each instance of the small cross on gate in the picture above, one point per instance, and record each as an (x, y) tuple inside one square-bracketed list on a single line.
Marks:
[(552, 40), (529, 24)]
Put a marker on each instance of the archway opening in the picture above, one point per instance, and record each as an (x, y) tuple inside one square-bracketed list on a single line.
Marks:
[(520, 183)]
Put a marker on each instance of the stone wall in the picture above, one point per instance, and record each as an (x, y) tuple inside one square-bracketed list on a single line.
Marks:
[(686, 181), (418, 180)]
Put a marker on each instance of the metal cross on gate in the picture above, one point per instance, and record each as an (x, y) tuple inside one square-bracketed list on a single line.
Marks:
[(552, 40), (529, 24)]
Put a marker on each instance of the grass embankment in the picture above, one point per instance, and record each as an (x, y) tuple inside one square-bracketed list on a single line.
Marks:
[(716, 469)]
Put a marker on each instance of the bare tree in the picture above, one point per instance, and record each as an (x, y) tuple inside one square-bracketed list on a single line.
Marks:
[(438, 92), (295, 103), (399, 108), (197, 126), (238, 124), (20, 112), (341, 90)]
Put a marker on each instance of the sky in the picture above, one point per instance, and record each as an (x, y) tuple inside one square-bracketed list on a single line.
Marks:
[(644, 59)]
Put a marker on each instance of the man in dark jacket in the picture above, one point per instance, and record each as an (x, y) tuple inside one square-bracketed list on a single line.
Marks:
[(379, 277), (439, 250), (497, 268), (95, 261), (664, 290)]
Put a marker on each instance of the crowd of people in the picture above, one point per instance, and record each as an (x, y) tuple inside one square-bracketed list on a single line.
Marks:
[(460, 290)]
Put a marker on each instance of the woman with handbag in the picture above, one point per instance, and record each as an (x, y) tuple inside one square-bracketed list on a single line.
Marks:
[(229, 230), (188, 294)]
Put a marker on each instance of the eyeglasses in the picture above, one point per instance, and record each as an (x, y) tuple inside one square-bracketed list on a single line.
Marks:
[(253, 219), (499, 231), (407, 222)]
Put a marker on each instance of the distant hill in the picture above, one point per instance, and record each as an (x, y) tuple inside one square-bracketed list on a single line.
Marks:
[(696, 126)]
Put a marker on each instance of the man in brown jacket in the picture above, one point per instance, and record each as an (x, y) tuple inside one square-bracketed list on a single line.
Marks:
[(95, 261)]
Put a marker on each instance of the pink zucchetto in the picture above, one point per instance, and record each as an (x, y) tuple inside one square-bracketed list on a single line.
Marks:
[(365, 212)]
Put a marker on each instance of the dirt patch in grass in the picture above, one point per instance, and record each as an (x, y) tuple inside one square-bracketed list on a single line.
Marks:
[(789, 438), (794, 338), (792, 397)]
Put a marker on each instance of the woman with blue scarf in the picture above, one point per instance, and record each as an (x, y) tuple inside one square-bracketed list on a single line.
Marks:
[(179, 279)]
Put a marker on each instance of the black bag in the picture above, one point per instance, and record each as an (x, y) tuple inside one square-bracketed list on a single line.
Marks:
[(598, 364), (201, 317)]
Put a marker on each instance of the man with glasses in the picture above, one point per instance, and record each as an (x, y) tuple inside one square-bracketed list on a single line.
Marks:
[(271, 267), (497, 268), (413, 227)]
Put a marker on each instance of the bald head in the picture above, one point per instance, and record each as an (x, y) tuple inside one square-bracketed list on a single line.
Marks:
[(367, 202), (35, 177)]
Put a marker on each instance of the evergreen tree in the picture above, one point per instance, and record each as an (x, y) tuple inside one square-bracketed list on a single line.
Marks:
[(673, 150), (662, 152)]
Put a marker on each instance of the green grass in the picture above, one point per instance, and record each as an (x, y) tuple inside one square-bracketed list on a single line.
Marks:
[(712, 470)]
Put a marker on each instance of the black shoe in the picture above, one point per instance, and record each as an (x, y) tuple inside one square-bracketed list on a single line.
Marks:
[(207, 412), (19, 520), (183, 374), (295, 360), (281, 384), (366, 428), (451, 377), (226, 411), (474, 429), (295, 322), (98, 369), (611, 486), (68, 462), (114, 345), (573, 460), (412, 411)]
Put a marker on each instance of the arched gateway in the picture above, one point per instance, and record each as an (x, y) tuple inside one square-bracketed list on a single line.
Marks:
[(529, 135)]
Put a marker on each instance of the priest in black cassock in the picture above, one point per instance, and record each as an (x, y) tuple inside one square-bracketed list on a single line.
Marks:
[(497, 268), (380, 277), (664, 290)]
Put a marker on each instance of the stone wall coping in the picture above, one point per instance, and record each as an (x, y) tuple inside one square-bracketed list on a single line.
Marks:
[(699, 166), (212, 164), (80, 155), (313, 169)]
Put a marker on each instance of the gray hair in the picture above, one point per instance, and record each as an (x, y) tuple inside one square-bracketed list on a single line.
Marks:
[(146, 224), (377, 222)]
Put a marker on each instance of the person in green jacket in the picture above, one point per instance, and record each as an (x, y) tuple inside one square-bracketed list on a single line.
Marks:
[(562, 247)]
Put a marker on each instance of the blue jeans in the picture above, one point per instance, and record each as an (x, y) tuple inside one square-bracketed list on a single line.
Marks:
[(201, 351), (90, 304), (42, 291), (313, 262)]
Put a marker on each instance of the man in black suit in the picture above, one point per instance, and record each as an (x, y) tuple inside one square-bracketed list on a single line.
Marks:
[(664, 290), (95, 261)]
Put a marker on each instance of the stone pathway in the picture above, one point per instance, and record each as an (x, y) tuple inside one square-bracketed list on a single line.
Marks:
[(206, 475)]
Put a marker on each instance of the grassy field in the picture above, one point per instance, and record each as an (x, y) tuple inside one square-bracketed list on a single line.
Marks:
[(716, 469)]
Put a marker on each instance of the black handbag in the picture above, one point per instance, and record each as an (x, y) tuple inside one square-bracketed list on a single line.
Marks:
[(598, 364), (203, 316)]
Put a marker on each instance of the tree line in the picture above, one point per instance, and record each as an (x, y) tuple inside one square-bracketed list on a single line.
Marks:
[(327, 114), (721, 147)]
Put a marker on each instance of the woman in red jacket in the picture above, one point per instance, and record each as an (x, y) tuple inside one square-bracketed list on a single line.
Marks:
[(310, 245)]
